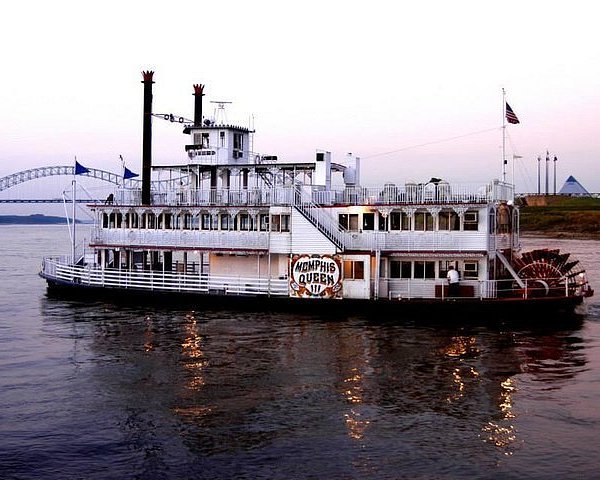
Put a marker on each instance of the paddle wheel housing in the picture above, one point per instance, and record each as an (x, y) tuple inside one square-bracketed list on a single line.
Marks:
[(551, 273)]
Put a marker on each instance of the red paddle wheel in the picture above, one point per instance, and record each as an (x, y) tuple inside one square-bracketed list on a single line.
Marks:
[(549, 272)]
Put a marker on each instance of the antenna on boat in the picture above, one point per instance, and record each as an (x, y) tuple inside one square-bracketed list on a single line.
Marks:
[(220, 111), (503, 135), (74, 211)]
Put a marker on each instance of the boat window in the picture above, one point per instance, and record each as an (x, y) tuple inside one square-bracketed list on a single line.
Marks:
[(205, 140), (222, 139), (264, 222), (445, 266), (151, 220), (195, 222), (400, 269), (423, 221), (471, 270), (504, 218), (245, 221), (424, 269), (354, 270), (238, 145), (449, 220), (131, 220), (168, 220), (383, 223), (399, 221), (224, 221), (279, 223), (187, 221), (471, 220), (349, 221), (492, 222), (368, 221), (104, 220), (395, 221), (206, 221), (275, 223)]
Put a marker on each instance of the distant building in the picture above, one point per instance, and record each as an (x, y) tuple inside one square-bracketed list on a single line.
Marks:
[(573, 188)]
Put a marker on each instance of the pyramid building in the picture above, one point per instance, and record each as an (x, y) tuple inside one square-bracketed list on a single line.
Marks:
[(573, 188)]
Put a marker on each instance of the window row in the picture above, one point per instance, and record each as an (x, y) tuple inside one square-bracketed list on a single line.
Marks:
[(427, 269), (415, 269), (203, 139), (223, 221), (448, 220)]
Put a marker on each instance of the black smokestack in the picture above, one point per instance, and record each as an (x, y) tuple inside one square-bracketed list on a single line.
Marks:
[(198, 93), (147, 138)]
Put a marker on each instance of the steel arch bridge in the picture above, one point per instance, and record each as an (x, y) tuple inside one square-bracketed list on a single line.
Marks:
[(41, 172)]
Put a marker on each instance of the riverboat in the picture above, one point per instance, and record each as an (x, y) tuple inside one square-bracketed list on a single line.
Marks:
[(237, 227)]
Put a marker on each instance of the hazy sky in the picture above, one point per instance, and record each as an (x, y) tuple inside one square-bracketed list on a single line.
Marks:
[(390, 81)]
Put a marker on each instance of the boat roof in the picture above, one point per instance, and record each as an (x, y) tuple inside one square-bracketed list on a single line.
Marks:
[(336, 167)]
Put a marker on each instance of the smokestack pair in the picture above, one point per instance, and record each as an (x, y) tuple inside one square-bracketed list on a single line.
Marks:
[(147, 130)]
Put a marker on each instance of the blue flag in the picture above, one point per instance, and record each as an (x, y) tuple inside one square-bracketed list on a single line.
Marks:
[(80, 169), (127, 174)]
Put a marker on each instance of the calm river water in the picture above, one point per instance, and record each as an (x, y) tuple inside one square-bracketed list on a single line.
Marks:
[(93, 391)]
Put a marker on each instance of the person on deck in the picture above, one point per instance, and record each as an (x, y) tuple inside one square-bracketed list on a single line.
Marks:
[(453, 282)]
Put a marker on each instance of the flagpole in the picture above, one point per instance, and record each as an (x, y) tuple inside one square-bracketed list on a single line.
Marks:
[(513, 171), (73, 216), (503, 135)]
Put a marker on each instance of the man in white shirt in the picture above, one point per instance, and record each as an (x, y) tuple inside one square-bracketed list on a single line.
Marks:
[(453, 279)]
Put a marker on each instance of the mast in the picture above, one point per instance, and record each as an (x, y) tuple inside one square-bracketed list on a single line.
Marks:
[(74, 189), (503, 135)]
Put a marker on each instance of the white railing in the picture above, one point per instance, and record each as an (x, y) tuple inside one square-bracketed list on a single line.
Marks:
[(389, 194), (409, 240), (397, 289), (321, 218), (58, 268), (411, 193), (215, 239), (210, 197)]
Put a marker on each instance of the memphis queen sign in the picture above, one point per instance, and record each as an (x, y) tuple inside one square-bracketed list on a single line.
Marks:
[(316, 276)]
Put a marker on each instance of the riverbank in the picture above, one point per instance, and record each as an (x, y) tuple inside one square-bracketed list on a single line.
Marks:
[(558, 216)]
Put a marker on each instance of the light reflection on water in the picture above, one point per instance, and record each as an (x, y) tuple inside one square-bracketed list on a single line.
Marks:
[(97, 391)]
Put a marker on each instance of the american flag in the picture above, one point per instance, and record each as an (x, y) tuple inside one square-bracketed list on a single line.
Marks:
[(510, 115)]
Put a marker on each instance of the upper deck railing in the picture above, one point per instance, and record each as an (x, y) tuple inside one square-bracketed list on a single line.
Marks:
[(389, 194)]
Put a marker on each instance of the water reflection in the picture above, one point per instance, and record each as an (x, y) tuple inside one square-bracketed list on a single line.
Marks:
[(229, 382)]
